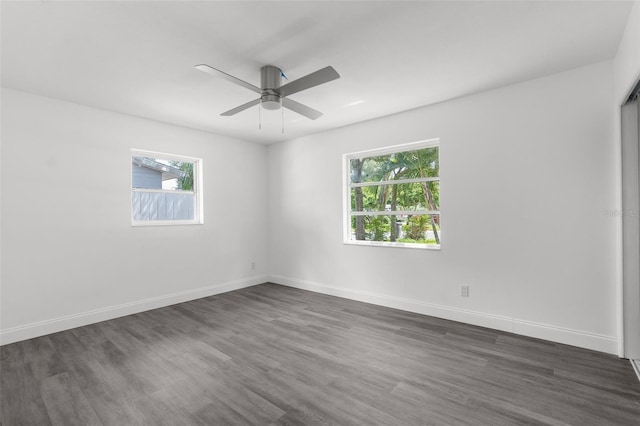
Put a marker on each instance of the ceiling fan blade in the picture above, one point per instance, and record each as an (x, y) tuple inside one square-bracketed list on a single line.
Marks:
[(311, 80), (301, 109), (241, 108), (228, 77)]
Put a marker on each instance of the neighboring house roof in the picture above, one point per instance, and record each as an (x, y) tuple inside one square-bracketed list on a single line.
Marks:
[(168, 172)]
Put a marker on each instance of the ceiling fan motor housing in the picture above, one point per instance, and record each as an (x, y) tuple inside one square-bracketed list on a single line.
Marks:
[(271, 78)]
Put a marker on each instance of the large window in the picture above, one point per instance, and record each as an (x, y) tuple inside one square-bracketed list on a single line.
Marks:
[(392, 196), (166, 189)]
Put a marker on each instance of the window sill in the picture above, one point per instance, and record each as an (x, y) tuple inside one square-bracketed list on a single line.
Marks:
[(165, 223), (393, 245)]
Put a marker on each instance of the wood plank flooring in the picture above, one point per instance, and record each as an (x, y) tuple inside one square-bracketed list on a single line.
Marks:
[(272, 355)]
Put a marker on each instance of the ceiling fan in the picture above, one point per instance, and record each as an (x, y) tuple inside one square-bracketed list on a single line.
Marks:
[(272, 94)]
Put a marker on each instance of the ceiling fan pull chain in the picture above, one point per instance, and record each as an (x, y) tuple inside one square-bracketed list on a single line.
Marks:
[(260, 115), (282, 109)]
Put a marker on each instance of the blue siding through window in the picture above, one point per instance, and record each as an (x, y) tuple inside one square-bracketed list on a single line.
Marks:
[(144, 177)]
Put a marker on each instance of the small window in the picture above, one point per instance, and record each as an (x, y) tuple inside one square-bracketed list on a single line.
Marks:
[(392, 196), (166, 189)]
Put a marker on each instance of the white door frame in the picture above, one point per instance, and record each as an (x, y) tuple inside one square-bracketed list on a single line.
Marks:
[(630, 239)]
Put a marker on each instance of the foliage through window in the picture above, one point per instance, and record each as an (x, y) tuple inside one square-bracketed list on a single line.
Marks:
[(393, 196), (165, 189)]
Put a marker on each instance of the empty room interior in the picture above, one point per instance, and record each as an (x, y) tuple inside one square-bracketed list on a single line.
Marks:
[(313, 213)]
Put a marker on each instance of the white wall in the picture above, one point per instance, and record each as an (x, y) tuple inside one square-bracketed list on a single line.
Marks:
[(527, 178), (69, 253), (627, 60)]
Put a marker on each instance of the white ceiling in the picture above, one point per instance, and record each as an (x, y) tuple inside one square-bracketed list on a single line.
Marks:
[(137, 57)]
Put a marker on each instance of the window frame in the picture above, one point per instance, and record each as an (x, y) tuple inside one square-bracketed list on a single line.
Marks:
[(347, 186), (197, 188)]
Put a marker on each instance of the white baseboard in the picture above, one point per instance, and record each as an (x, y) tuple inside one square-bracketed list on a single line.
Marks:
[(553, 333), (636, 367), (40, 328)]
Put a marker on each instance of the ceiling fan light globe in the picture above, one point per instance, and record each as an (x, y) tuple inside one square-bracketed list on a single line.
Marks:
[(271, 102), (271, 105)]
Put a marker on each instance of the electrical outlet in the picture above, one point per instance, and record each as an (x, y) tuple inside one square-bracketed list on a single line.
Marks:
[(464, 290)]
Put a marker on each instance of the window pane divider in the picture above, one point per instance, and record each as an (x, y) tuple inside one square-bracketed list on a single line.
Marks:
[(394, 182), (166, 191), (395, 212)]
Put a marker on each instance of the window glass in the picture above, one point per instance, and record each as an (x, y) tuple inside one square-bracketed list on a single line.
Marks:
[(164, 189), (393, 196)]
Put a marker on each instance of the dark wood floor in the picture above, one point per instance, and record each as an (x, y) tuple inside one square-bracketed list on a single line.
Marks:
[(272, 355)]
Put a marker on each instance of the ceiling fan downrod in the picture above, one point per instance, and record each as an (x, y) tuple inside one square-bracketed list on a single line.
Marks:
[(270, 81)]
